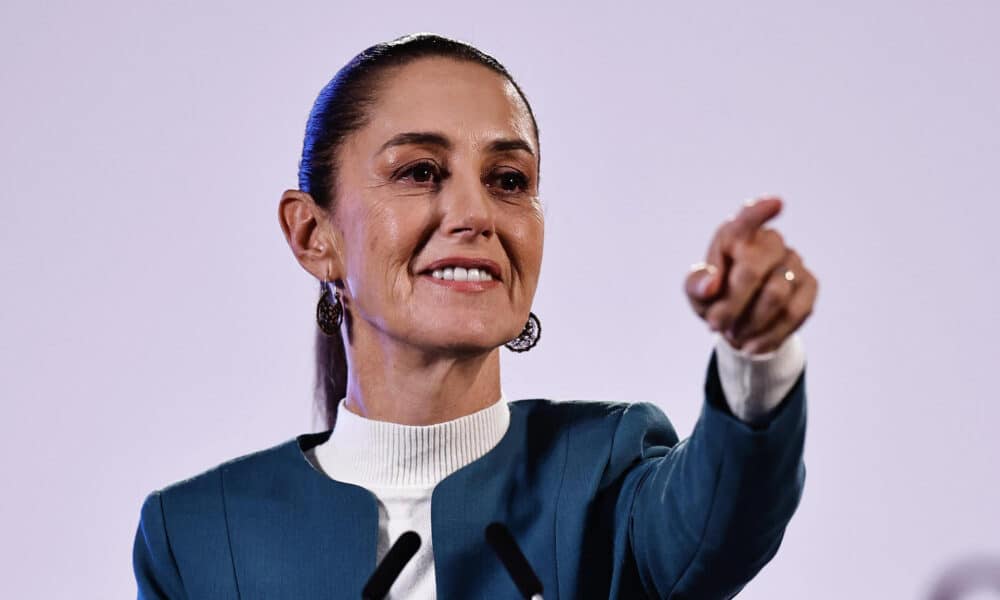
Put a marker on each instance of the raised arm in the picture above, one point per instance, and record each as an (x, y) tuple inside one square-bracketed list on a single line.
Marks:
[(703, 516)]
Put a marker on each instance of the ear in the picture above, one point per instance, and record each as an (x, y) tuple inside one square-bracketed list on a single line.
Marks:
[(309, 234)]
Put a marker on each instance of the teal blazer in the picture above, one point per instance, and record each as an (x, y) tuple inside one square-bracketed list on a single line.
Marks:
[(603, 499)]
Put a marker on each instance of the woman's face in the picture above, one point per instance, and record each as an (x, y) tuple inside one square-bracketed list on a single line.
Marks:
[(437, 221)]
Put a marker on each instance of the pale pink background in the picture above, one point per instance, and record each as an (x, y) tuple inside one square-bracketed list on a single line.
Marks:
[(153, 322)]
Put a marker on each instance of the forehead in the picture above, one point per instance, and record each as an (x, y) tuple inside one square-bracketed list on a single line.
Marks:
[(462, 100)]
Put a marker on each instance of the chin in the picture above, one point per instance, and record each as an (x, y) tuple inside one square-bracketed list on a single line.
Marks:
[(466, 340), (463, 329)]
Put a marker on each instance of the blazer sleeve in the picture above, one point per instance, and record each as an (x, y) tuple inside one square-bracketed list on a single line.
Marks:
[(156, 572), (703, 516)]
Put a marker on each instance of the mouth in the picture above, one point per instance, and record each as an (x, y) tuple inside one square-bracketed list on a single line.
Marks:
[(471, 274)]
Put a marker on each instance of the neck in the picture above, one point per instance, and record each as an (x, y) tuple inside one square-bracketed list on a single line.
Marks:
[(394, 382)]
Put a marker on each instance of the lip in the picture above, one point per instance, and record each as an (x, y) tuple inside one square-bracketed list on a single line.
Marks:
[(483, 264), (462, 286)]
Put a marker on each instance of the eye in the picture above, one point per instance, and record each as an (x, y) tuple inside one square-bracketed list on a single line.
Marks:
[(509, 181), (421, 172)]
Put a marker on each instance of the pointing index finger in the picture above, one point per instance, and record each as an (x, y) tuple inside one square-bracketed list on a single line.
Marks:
[(755, 213), (752, 217)]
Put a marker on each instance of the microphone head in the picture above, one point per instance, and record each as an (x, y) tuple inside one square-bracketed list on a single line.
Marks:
[(503, 543), (391, 566)]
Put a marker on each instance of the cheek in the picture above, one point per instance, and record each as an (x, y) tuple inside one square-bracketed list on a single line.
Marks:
[(380, 247), (528, 239), (534, 228)]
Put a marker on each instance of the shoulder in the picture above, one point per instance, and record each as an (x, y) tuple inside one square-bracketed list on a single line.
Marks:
[(602, 440), (581, 413), (183, 526), (204, 490), (621, 423), (571, 411)]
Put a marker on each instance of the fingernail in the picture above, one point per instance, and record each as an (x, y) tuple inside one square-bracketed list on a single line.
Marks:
[(703, 266), (750, 202), (706, 279), (704, 283)]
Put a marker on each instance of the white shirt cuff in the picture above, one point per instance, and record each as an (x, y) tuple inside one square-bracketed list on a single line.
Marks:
[(754, 384)]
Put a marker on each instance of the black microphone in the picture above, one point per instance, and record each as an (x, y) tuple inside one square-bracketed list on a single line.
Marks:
[(392, 564), (513, 559)]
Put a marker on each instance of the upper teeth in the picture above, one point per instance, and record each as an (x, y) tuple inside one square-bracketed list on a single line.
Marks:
[(461, 274)]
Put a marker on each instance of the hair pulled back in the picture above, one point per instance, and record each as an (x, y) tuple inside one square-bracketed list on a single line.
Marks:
[(343, 107)]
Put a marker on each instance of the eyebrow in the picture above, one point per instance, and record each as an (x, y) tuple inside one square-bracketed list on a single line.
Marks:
[(508, 145), (426, 138), (418, 138)]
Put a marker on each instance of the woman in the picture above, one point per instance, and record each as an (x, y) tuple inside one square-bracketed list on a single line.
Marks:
[(418, 212)]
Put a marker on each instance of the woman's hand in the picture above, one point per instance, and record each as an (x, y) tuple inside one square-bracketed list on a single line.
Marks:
[(752, 288)]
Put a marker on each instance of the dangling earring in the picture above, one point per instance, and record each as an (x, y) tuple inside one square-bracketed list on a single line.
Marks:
[(329, 310), (528, 337)]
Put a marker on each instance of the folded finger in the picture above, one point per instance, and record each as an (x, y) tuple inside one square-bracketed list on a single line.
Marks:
[(765, 307), (752, 265), (795, 313)]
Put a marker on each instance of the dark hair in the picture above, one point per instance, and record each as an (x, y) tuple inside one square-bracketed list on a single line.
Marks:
[(342, 108)]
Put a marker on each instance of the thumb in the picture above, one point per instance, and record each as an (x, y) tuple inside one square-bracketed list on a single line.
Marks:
[(702, 281)]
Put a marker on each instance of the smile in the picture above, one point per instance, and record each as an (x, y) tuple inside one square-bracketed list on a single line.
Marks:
[(461, 274), (464, 273)]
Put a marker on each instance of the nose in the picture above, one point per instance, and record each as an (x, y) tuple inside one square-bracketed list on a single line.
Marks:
[(467, 209)]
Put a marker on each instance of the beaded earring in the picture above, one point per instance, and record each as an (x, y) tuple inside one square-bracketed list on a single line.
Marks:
[(528, 337), (329, 310)]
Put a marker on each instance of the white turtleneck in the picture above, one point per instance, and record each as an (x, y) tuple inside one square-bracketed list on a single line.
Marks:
[(401, 464)]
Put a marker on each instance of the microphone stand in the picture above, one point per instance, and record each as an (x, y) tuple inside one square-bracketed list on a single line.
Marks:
[(518, 567), (388, 570)]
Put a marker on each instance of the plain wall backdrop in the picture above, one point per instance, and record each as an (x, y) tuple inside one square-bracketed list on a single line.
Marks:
[(153, 322)]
